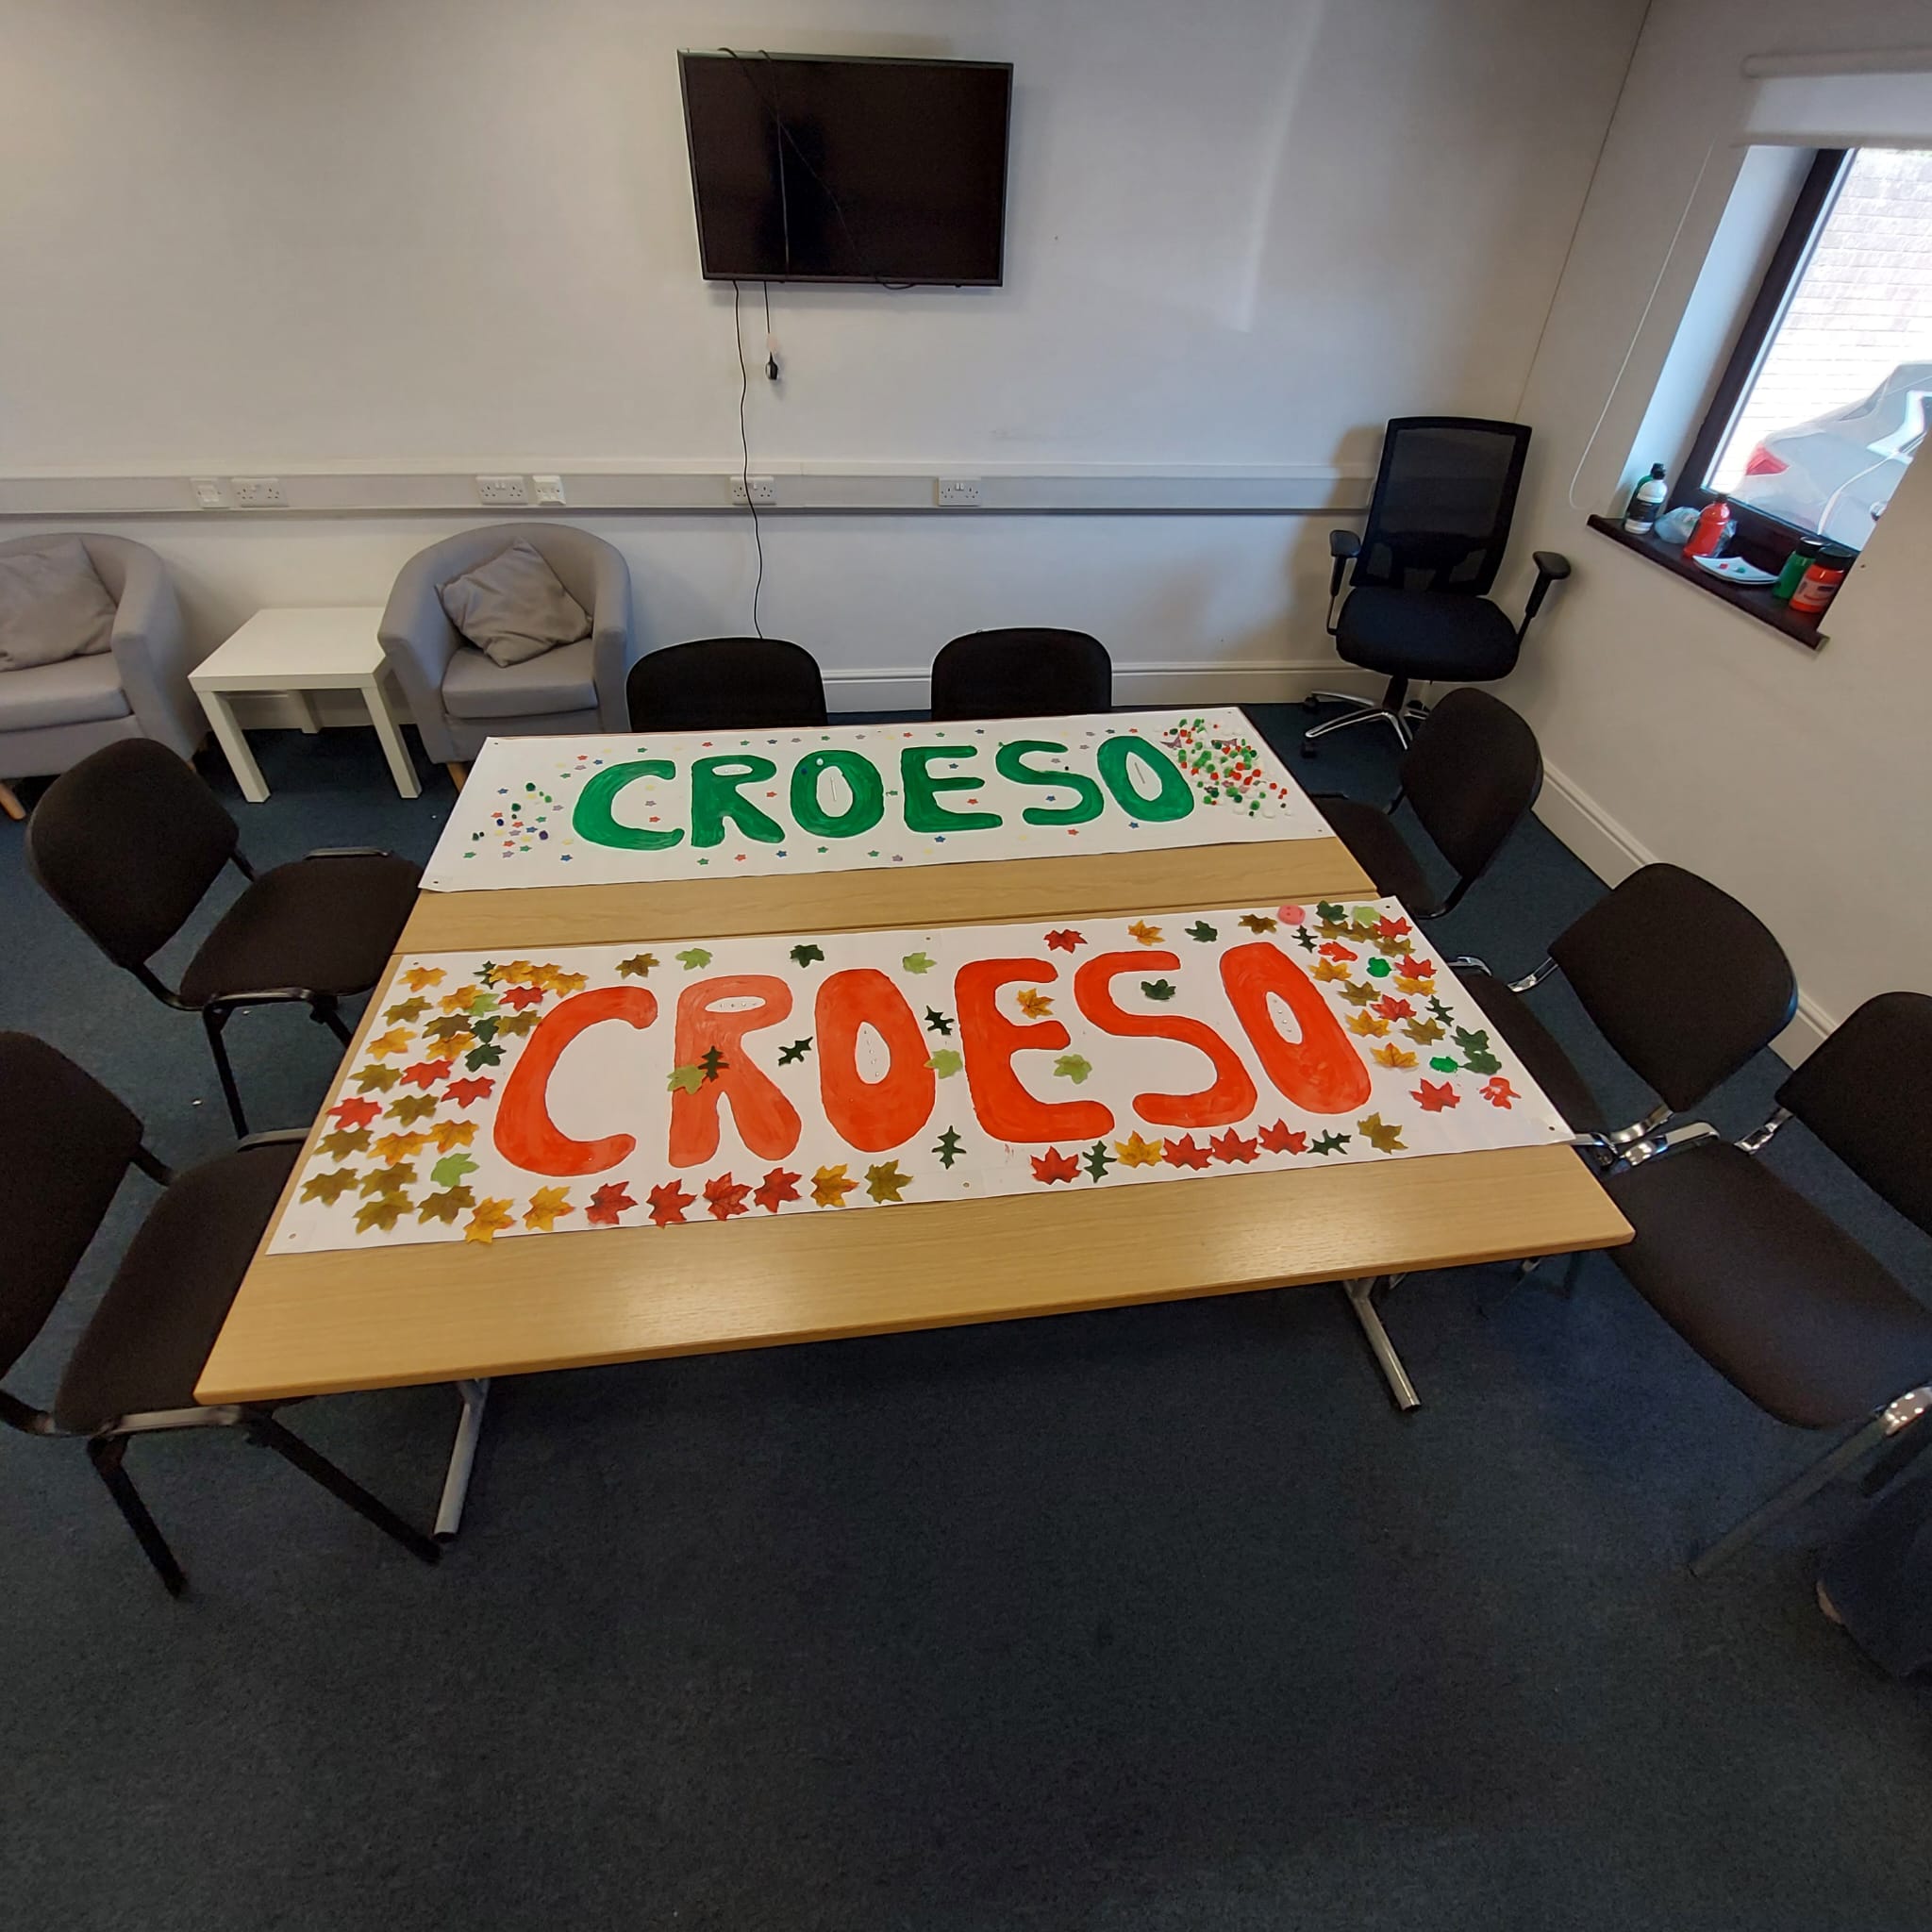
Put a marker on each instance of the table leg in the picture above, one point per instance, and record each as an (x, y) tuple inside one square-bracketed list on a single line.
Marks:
[(305, 712), (241, 759), (1362, 1298), (462, 1460), (10, 804), (402, 768)]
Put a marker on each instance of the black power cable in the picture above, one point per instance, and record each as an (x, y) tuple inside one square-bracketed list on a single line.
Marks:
[(744, 447)]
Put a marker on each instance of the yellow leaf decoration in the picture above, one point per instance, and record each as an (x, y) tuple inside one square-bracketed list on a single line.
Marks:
[(329, 1188), (345, 1141), (1135, 1152), (546, 1206), (1358, 994), (489, 1219), (458, 1001), (387, 1180), (377, 1079), (407, 1010), (1147, 935), (417, 977), (396, 1147), (447, 1205), (1391, 1056), (382, 1212), (883, 1181), (1404, 984), (1330, 969), (829, 1187), (397, 1040), (1380, 1135), (1366, 1024), (1033, 1002), (449, 1135), (567, 982)]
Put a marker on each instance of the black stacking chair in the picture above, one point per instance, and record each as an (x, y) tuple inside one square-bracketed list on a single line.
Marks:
[(65, 1146), (725, 684), (1470, 779), (1022, 674), (1419, 606), (1684, 982), (128, 843), (1773, 1294)]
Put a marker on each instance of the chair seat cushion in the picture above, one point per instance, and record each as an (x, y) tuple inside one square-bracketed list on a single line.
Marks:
[(1770, 1290), (76, 691), (1426, 634), (146, 1345), (326, 925), (1536, 1047), (564, 680), (1382, 851)]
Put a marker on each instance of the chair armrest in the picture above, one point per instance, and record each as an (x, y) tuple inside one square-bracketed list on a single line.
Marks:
[(1552, 567), (615, 645), (276, 1137), (151, 657), (347, 852), (1344, 543), (418, 640)]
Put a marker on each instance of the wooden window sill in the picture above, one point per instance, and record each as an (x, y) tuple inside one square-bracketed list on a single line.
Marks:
[(1758, 603)]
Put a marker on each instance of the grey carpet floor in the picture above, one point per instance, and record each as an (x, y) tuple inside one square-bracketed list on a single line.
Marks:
[(1157, 1618)]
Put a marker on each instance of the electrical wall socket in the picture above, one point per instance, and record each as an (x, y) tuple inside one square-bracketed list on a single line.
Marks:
[(208, 493), (762, 490), (258, 493), (956, 491), (502, 490), (548, 488)]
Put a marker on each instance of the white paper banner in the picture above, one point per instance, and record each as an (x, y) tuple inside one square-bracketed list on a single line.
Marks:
[(546, 811)]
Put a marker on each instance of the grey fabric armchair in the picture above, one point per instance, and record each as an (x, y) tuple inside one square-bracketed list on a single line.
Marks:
[(459, 697), (53, 715)]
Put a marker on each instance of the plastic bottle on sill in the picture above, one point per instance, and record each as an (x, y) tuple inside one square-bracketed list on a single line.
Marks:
[(1647, 502), (1715, 529)]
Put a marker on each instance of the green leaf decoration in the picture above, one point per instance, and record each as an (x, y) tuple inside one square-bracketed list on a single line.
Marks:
[(1364, 915), (1304, 938), (1358, 993), (483, 1003), (936, 1022), (804, 955), (450, 1169), (1331, 1143), (1482, 1063), (713, 1062), (486, 1056), (1201, 930), (1071, 1066), (1096, 1160), (1476, 1056), (447, 1205), (516, 1025), (383, 1212), (486, 972), (486, 1029), (1444, 1064), (1440, 1011), (345, 1141), (412, 1106), (945, 1063), (686, 1079), (796, 1050), (918, 962), (386, 1180), (447, 1027), (637, 967), (1157, 989), (1379, 969), (377, 1078), (947, 1147), (1329, 909), (407, 1010), (693, 957), (329, 1188)]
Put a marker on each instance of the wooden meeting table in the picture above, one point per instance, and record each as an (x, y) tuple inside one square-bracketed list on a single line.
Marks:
[(320, 1322)]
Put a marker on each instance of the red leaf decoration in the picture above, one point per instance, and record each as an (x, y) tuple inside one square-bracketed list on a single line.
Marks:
[(1283, 1138), (1064, 940), (463, 1091), (1412, 968), (1391, 929), (1335, 950), (1392, 1009), (776, 1185), (356, 1113), (426, 1073), (724, 1198), (667, 1204), (1436, 1095), (1230, 1146), (1055, 1166), (1185, 1152), (606, 1204), (1499, 1092), (522, 996)]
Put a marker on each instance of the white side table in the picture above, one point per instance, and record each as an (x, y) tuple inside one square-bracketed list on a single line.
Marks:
[(300, 651)]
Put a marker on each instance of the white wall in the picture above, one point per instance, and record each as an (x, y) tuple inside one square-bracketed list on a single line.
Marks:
[(1674, 727), (271, 234)]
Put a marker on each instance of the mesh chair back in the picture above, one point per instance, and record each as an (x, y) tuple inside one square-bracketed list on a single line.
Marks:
[(127, 843), (1681, 980), (1022, 674), (1444, 497), (725, 684), (1472, 776), (66, 1143), (1862, 1093)]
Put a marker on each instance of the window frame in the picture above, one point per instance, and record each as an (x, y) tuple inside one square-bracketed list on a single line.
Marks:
[(1763, 540)]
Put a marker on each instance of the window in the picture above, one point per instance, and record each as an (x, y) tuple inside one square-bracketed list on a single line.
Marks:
[(1825, 399)]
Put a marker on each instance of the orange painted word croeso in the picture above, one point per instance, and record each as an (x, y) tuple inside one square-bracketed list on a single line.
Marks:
[(1320, 1071)]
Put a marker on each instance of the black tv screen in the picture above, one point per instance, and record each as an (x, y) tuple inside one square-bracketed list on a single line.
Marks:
[(809, 169)]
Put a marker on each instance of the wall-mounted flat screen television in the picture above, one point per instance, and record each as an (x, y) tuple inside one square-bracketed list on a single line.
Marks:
[(807, 170)]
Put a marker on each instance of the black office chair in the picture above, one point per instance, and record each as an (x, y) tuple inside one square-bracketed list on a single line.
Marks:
[(1771, 1292), (65, 1146), (1022, 674), (1439, 523), (726, 684), (128, 843), (1471, 778)]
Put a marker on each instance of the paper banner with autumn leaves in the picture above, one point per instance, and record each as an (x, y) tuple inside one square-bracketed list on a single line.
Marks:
[(633, 1086)]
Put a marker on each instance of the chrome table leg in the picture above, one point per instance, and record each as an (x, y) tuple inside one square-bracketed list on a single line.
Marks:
[(1362, 1298), (462, 1460)]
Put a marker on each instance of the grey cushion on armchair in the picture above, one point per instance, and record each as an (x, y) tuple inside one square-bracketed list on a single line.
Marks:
[(459, 697), (53, 715)]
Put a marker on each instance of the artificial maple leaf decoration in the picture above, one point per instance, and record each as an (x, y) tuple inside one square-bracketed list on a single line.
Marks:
[(376, 1080), (1283, 1138), (1386, 928), (829, 1187), (1357, 992), (458, 1003), (383, 1212), (1476, 1056), (447, 1027), (455, 1045), (1304, 938), (548, 1207), (1064, 938), (1440, 1011), (883, 1181), (1055, 1166), (1331, 1143), (1147, 935), (345, 1141), (449, 1134), (1202, 931), (521, 970), (1436, 1095), (516, 1024), (796, 1050), (724, 1198), (1499, 1092), (561, 983), (387, 1180), (1330, 969), (712, 1062), (397, 1040), (1379, 1134), (607, 1202), (1391, 1055), (464, 1092), (1368, 1025), (804, 955), (329, 1188), (425, 1074), (693, 957), (1412, 968), (417, 977), (1404, 984), (1392, 1009), (937, 1022), (1034, 1003), (685, 1079), (485, 1055), (947, 1147), (450, 1169), (918, 962), (1423, 1032), (1335, 950), (1159, 988), (412, 1106), (1135, 1152), (777, 1186), (1096, 1160), (1074, 1067), (1185, 1152), (488, 1220), (667, 1204), (407, 1010), (1256, 922), (1326, 908), (945, 1063), (1231, 1147), (519, 997), (355, 1113), (444, 1207)]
